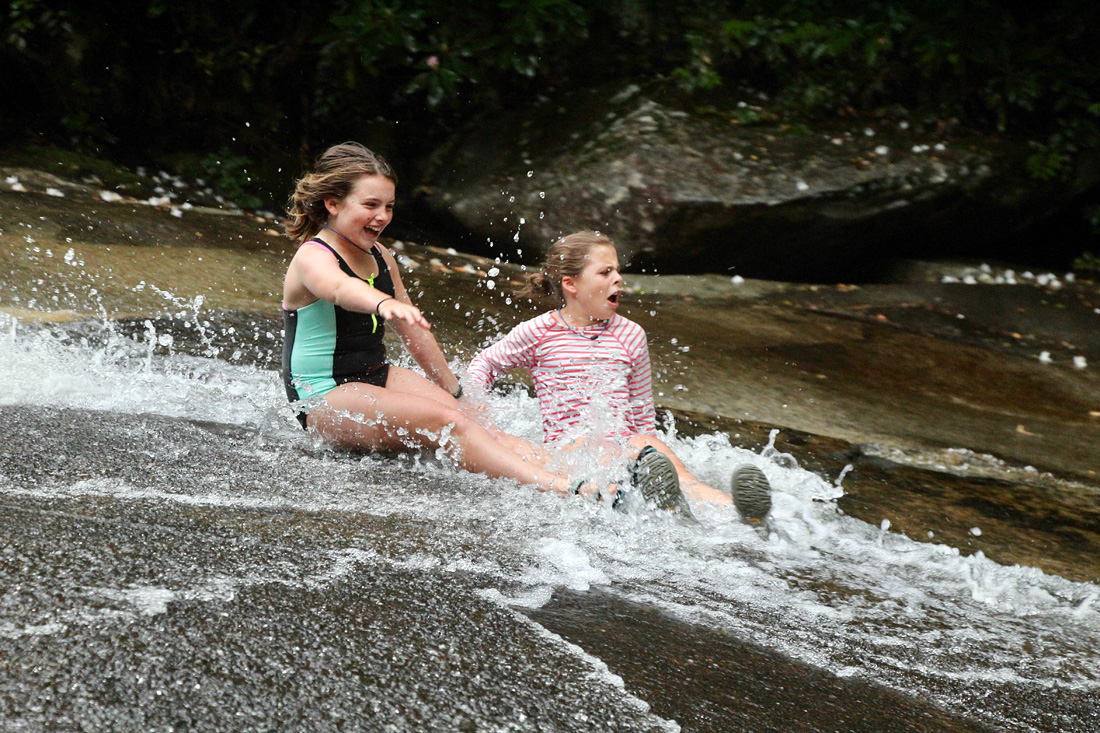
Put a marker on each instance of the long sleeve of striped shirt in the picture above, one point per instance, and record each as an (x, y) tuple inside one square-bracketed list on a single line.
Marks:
[(583, 385), (516, 350), (641, 417)]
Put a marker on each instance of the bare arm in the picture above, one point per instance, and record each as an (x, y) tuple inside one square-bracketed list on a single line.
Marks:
[(417, 338)]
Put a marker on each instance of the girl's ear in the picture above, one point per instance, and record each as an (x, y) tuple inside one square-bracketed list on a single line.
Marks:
[(332, 205), (569, 285)]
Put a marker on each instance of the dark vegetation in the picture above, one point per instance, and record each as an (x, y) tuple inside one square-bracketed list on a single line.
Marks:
[(245, 93)]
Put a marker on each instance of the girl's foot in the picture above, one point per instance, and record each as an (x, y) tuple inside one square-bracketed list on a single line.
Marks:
[(752, 493), (655, 477)]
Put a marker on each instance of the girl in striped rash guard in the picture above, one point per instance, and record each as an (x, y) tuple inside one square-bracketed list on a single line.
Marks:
[(590, 365)]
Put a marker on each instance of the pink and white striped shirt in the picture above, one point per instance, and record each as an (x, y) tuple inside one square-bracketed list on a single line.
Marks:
[(603, 384)]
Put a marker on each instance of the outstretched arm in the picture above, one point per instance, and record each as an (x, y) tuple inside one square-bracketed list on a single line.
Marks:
[(315, 274), (415, 333)]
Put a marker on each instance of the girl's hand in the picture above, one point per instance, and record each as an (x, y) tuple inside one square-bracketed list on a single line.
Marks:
[(392, 308)]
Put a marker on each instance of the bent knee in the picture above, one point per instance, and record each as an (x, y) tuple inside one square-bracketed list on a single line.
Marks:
[(459, 423), (446, 417)]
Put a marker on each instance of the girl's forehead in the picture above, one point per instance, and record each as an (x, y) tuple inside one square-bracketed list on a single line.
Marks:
[(602, 253), (373, 185)]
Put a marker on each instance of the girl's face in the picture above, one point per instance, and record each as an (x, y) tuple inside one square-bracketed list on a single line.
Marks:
[(594, 293), (364, 212)]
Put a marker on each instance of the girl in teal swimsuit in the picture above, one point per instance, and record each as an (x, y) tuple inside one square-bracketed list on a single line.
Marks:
[(341, 290)]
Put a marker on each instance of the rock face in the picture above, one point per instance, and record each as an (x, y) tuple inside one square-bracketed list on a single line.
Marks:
[(691, 193)]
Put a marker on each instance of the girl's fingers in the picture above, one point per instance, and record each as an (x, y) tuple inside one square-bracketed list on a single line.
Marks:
[(417, 318), (408, 313)]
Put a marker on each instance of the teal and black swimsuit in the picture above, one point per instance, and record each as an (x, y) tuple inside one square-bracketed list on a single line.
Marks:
[(326, 346)]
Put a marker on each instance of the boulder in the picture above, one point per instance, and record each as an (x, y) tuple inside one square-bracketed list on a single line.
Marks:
[(735, 194)]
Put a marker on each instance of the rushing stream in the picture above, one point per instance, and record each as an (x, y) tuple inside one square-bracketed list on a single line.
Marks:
[(171, 536)]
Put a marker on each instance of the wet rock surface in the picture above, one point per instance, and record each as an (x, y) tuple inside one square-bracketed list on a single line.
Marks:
[(165, 597), (1022, 516), (734, 192), (139, 593), (929, 365), (732, 684)]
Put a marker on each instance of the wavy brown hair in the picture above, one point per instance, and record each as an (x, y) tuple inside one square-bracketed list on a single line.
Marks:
[(565, 258), (333, 176)]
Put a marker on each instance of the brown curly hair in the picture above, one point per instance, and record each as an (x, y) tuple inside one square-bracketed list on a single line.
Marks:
[(333, 176), (565, 258)]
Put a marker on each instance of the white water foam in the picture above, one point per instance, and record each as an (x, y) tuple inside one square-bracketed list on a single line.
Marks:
[(49, 368)]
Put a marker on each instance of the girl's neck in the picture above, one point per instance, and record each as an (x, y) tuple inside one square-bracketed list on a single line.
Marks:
[(569, 313), (345, 239)]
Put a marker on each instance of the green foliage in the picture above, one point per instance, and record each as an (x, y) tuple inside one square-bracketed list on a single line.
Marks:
[(745, 115), (699, 74), (228, 174), (1087, 262), (441, 52), (980, 61), (258, 77), (28, 19), (1047, 164)]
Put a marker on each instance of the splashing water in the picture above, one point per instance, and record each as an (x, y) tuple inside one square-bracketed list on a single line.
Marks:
[(821, 587)]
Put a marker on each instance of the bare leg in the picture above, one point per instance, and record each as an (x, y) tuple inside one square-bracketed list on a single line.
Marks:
[(519, 446), (690, 485), (411, 413)]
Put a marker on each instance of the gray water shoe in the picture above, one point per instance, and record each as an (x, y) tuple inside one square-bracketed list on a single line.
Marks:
[(655, 477), (752, 493)]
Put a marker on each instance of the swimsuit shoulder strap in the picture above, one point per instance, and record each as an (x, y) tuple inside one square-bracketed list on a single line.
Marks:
[(379, 259), (324, 244)]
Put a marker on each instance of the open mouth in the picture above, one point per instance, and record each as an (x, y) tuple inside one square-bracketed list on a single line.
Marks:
[(614, 298)]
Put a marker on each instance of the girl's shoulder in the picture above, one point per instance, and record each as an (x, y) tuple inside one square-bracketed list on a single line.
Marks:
[(625, 325), (628, 333), (532, 330), (542, 322)]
